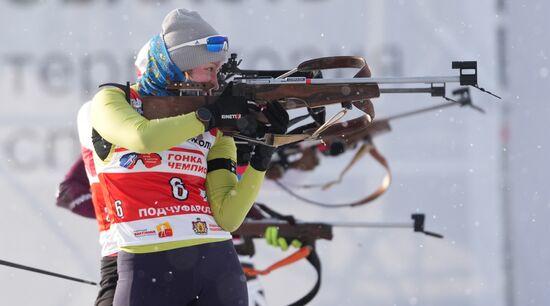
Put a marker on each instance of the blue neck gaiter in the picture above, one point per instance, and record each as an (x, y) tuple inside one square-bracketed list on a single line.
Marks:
[(160, 71)]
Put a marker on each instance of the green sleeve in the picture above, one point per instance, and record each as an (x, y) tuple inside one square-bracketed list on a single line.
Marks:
[(230, 200), (116, 121)]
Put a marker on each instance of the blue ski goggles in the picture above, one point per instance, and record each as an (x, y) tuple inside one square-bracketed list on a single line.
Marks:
[(215, 43)]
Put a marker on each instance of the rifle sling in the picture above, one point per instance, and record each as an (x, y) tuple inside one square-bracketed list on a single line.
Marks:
[(313, 259), (292, 258), (307, 252), (382, 188)]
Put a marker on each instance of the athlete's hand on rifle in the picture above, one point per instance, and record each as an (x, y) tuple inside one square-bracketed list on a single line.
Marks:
[(231, 112), (277, 118), (244, 152), (277, 124), (272, 238)]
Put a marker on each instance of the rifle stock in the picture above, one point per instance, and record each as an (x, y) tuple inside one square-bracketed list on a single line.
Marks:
[(290, 96), (162, 107), (293, 96)]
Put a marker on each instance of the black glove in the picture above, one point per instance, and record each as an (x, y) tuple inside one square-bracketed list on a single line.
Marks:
[(244, 153), (231, 112), (278, 124), (277, 117), (262, 157)]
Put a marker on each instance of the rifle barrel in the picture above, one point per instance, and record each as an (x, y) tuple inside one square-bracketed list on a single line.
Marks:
[(407, 90), (343, 81), (337, 224), (371, 224)]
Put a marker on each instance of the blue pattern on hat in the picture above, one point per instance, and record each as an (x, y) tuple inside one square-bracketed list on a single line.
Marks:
[(161, 71)]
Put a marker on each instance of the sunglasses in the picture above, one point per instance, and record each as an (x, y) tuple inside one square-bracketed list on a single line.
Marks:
[(214, 43)]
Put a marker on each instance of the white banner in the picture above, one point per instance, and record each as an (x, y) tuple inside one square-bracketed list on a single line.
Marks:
[(55, 53)]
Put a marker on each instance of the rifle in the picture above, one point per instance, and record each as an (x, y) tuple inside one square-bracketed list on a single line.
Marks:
[(308, 233), (304, 86)]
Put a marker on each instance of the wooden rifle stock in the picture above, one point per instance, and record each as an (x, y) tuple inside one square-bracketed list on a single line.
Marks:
[(162, 107), (290, 96), (293, 96)]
